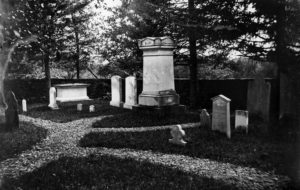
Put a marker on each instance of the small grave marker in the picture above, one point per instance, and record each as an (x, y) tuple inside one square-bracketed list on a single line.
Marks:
[(11, 112), (177, 134), (130, 92), (92, 108), (221, 115), (205, 118), (24, 105), (241, 119), (79, 107)]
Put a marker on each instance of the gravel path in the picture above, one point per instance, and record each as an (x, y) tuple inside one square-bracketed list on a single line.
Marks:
[(63, 141)]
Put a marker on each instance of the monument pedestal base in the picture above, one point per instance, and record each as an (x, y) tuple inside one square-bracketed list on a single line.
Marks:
[(160, 111), (116, 104), (160, 98)]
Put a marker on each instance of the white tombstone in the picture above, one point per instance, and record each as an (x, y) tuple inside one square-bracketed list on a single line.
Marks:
[(158, 72), (92, 108), (221, 115), (177, 134), (241, 119), (52, 99), (116, 91), (71, 92), (79, 107), (130, 92), (24, 105)]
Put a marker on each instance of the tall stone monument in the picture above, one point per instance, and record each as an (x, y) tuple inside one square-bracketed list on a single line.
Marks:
[(221, 114), (158, 73), (116, 91), (130, 92), (52, 99)]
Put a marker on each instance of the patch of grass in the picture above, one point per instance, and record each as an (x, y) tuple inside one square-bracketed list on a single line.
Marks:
[(247, 150), (14, 142), (133, 119), (106, 172), (68, 112)]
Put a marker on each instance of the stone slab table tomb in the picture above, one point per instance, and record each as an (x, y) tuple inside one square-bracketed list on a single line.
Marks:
[(71, 92)]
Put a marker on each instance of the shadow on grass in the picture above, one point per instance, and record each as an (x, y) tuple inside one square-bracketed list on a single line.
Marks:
[(133, 119), (106, 172), (68, 112), (14, 142), (246, 150)]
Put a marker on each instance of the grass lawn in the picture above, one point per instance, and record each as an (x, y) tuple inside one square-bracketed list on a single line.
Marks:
[(252, 150), (106, 172), (14, 142), (68, 112), (132, 119)]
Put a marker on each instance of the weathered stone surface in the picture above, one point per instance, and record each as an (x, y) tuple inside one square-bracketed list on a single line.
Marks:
[(158, 72), (130, 92), (205, 118), (52, 99), (11, 112), (221, 115), (116, 91), (258, 101), (72, 92), (92, 108), (177, 134), (241, 119), (24, 105), (79, 107)]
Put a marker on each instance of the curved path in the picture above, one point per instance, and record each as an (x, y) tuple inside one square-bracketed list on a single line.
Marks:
[(63, 139)]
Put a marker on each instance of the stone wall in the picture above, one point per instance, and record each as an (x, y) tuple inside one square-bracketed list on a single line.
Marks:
[(235, 89)]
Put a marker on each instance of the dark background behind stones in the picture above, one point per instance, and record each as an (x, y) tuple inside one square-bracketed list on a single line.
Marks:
[(35, 90)]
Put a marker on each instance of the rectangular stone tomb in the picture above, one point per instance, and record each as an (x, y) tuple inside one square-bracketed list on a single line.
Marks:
[(71, 92), (221, 115)]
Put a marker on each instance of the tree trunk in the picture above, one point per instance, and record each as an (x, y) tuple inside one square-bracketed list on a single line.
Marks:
[(193, 57), (77, 54), (47, 69)]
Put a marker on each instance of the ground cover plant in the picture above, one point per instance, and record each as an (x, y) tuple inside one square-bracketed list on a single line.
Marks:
[(136, 119), (14, 142), (252, 150), (107, 172), (68, 112)]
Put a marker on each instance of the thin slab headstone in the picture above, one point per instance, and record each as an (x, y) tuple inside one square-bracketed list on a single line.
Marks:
[(79, 107), (258, 97), (221, 115), (130, 92), (177, 134), (205, 118), (92, 108), (116, 91), (241, 119), (52, 99), (24, 105), (11, 112)]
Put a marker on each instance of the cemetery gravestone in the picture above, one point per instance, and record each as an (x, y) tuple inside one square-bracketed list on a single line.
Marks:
[(24, 105), (241, 119), (52, 99), (11, 112), (92, 108), (177, 134), (79, 107), (158, 72), (258, 97), (116, 91), (205, 118), (221, 115), (131, 92)]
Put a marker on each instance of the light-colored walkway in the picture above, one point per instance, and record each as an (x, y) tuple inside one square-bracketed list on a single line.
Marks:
[(63, 140)]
